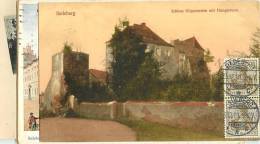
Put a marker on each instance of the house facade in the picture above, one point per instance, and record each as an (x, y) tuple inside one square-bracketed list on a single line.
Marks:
[(31, 71)]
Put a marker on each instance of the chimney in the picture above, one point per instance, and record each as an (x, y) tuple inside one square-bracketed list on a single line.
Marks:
[(176, 41), (143, 24)]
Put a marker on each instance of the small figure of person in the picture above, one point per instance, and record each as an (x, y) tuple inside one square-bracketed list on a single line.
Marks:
[(32, 122)]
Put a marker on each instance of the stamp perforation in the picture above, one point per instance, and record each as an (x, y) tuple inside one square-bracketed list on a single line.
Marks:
[(241, 97)]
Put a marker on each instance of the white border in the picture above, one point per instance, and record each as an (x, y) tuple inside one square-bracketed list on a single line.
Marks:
[(20, 73), (22, 136)]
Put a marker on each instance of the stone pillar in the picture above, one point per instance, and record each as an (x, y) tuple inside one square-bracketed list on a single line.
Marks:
[(71, 101)]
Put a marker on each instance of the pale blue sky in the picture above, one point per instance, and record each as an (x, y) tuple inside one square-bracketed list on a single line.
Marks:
[(30, 26), (7, 141)]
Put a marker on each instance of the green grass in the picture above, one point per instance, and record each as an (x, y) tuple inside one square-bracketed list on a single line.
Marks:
[(148, 131)]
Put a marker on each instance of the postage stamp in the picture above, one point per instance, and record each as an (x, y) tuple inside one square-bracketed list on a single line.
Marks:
[(241, 86)]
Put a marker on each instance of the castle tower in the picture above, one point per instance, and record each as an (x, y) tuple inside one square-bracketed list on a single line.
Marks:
[(72, 65)]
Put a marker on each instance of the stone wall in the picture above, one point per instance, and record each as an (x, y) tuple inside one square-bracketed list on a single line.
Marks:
[(198, 115), (54, 84), (75, 66), (195, 115), (96, 110)]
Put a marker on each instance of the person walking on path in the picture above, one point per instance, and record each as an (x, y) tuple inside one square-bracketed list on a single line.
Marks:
[(32, 122)]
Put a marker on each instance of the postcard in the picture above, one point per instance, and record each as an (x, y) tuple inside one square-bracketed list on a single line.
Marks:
[(10, 25), (148, 71), (28, 83), (8, 75)]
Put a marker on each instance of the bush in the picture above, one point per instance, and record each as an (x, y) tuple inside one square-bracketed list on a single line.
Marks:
[(218, 86), (184, 88), (98, 92), (45, 113)]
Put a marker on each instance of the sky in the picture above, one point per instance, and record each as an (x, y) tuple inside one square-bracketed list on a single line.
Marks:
[(93, 25), (30, 27), (7, 141)]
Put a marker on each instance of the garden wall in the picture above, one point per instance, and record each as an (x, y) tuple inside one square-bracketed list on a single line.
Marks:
[(195, 115), (96, 110)]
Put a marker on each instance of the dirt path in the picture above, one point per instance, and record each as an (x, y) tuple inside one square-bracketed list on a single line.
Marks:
[(74, 129)]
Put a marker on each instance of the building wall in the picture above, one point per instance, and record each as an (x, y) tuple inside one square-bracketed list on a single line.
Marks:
[(29, 55), (109, 57), (167, 56), (195, 115), (195, 55), (31, 81), (54, 84)]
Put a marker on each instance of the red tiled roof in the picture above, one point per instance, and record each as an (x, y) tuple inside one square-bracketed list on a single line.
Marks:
[(98, 74), (194, 42), (147, 34)]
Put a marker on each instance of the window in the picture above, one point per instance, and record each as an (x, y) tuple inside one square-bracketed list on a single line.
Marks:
[(158, 51), (169, 53)]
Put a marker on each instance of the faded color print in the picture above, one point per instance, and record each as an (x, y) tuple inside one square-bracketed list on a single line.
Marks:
[(10, 26), (146, 71), (29, 45)]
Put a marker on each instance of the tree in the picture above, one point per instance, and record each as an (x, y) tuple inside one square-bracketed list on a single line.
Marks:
[(67, 48), (218, 85), (145, 85), (255, 46), (129, 65), (186, 88), (75, 69), (181, 88), (208, 57), (98, 92)]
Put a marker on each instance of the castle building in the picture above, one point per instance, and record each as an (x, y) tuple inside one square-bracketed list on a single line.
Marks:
[(172, 59), (194, 52), (31, 71)]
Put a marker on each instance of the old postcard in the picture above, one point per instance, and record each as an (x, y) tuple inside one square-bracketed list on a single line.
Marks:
[(7, 77), (28, 100), (148, 71), (10, 25)]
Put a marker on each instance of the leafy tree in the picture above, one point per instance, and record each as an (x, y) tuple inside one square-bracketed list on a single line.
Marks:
[(98, 92), (75, 74), (67, 48), (218, 87), (180, 89), (186, 88), (131, 65), (145, 85), (208, 57), (255, 46)]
